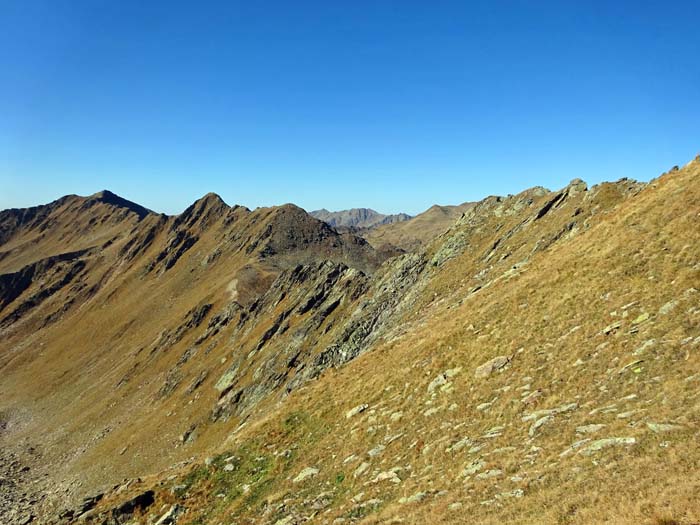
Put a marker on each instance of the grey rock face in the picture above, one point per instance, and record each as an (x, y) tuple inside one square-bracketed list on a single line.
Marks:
[(357, 218)]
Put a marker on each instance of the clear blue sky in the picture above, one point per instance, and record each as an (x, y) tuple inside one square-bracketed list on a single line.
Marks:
[(393, 105)]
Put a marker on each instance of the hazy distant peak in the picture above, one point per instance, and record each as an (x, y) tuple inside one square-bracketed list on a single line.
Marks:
[(357, 217)]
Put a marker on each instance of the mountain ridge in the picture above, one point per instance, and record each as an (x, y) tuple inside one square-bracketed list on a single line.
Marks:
[(436, 380)]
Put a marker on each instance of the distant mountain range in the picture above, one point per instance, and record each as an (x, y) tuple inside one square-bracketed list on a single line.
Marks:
[(357, 218)]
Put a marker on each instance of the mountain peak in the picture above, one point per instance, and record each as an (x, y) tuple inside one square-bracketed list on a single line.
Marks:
[(203, 210), (107, 197), (209, 201), (212, 199)]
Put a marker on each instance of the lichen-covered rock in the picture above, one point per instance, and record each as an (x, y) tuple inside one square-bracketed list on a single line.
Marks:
[(602, 444), (491, 366), (305, 474)]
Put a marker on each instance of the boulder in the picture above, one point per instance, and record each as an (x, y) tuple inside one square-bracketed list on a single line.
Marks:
[(539, 423), (356, 410), (495, 364), (602, 444), (305, 474), (659, 428)]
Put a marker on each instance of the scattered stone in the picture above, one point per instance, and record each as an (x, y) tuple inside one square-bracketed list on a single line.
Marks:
[(502, 450), (473, 467), (533, 416), (416, 498), (659, 428), (633, 366), (493, 473), (388, 475), (307, 473), (396, 416), (494, 365), (612, 327), (361, 469), (641, 318), (667, 308), (589, 429), (452, 372), (459, 445), (175, 489), (645, 346), (170, 517), (357, 410), (485, 406), (531, 397), (376, 451), (574, 446), (601, 444), (494, 432), (538, 424), (517, 493), (628, 414), (438, 381)]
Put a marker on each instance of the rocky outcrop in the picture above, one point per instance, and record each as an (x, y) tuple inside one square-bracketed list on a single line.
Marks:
[(307, 298)]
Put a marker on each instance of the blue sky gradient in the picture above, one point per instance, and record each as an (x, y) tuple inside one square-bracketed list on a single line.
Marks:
[(389, 105)]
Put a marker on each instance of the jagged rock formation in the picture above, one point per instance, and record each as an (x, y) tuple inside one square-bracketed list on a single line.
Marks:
[(543, 343), (357, 218)]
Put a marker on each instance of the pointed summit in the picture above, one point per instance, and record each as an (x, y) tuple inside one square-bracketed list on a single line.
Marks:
[(203, 209), (211, 199)]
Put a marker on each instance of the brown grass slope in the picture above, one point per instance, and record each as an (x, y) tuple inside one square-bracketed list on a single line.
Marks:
[(583, 303)]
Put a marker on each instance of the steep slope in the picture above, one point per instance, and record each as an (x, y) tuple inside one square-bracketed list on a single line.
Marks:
[(357, 218), (416, 232), (544, 345), (98, 345)]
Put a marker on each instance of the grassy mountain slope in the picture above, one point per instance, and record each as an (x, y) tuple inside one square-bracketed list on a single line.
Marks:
[(418, 231), (534, 364)]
